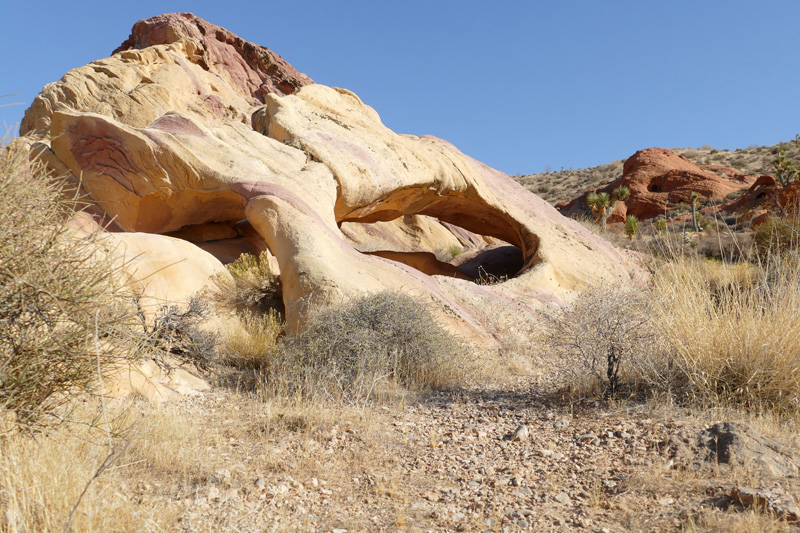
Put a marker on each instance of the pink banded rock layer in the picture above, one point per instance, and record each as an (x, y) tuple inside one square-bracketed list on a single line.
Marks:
[(191, 132)]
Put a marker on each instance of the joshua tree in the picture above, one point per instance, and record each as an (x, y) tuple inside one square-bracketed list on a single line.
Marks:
[(695, 196), (785, 169), (631, 226), (602, 204)]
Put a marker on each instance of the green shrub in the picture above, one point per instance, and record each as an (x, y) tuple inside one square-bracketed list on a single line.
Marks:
[(776, 236), (60, 315), (455, 250), (681, 207), (347, 351)]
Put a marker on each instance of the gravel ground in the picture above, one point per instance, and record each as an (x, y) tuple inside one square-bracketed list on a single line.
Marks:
[(502, 459)]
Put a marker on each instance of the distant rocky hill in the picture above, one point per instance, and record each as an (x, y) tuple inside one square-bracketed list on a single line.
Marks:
[(563, 186)]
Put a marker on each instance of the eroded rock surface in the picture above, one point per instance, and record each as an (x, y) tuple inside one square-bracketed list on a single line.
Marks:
[(190, 131)]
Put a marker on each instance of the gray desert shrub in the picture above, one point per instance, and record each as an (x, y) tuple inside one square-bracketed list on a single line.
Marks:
[(61, 317), (348, 352), (604, 333)]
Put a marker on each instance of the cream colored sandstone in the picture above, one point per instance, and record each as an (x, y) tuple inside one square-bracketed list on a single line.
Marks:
[(177, 137)]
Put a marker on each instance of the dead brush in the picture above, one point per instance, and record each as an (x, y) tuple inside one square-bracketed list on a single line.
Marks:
[(54, 289), (605, 331)]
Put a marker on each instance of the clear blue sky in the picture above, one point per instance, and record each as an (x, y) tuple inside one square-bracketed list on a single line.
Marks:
[(520, 85)]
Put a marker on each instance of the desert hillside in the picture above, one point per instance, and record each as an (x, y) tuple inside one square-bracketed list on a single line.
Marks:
[(564, 185)]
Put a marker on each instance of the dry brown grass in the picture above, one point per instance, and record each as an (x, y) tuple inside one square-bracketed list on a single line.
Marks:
[(58, 298), (733, 331), (250, 340), (42, 478), (190, 465)]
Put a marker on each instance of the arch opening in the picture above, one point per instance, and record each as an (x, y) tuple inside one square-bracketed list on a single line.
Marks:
[(436, 247)]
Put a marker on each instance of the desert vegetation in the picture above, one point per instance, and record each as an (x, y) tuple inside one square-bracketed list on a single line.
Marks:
[(302, 417), (60, 314)]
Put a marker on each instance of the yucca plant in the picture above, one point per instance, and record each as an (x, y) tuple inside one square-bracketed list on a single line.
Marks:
[(602, 204), (695, 196), (785, 169), (631, 226)]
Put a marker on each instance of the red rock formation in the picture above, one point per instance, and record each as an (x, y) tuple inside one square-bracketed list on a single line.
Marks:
[(765, 198), (789, 199), (761, 195), (255, 68), (658, 179)]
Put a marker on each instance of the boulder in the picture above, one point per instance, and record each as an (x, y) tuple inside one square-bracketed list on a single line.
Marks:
[(733, 444), (189, 131), (762, 194), (162, 270), (774, 500), (152, 382)]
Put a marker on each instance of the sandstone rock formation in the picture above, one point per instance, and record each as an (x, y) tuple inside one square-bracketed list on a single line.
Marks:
[(765, 198), (659, 179), (188, 130)]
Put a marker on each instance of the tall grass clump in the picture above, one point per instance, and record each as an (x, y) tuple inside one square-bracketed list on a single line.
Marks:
[(254, 295), (252, 286), (349, 352), (58, 308), (250, 341), (733, 331)]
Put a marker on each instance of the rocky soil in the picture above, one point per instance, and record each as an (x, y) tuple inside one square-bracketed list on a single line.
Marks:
[(506, 458)]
